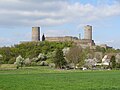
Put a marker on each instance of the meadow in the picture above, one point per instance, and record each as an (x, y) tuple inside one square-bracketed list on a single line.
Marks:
[(44, 78)]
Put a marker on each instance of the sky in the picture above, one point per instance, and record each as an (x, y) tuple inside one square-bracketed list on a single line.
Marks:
[(60, 18)]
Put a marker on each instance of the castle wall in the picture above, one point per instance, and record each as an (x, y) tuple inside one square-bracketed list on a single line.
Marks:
[(59, 39), (78, 42)]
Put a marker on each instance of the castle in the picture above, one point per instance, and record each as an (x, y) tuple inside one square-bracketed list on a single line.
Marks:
[(86, 42)]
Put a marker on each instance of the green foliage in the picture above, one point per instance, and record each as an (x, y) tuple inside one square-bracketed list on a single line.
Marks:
[(117, 65), (89, 52), (30, 50), (51, 56), (12, 60), (82, 59), (1, 61), (100, 49), (33, 64), (59, 59), (112, 50), (113, 62)]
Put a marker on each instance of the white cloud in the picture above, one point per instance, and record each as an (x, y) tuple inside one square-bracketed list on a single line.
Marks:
[(5, 41), (8, 41), (114, 43), (52, 12), (57, 33), (110, 41)]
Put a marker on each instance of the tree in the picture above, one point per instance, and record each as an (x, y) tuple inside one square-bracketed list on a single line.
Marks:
[(89, 53), (65, 50), (98, 56), (27, 62), (29, 50), (117, 58), (113, 62), (43, 37), (100, 49), (19, 61), (1, 59), (41, 57), (59, 59), (82, 59), (75, 56), (50, 56)]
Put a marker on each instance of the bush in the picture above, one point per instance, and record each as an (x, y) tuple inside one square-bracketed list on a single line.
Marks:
[(33, 64), (118, 65), (52, 65), (27, 62), (44, 63), (11, 61), (19, 61), (38, 63)]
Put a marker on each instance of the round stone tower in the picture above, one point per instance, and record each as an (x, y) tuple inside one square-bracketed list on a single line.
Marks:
[(35, 33), (88, 32)]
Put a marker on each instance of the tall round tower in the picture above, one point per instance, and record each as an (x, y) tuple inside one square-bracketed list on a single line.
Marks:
[(88, 32), (35, 33)]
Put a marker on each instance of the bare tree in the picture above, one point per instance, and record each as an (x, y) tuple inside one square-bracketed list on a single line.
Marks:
[(75, 55)]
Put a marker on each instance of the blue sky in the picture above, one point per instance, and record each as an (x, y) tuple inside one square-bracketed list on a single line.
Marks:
[(59, 18)]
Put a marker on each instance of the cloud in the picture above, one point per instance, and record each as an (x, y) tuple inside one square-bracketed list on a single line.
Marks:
[(8, 41), (110, 41), (54, 33), (5, 41), (114, 43), (52, 12)]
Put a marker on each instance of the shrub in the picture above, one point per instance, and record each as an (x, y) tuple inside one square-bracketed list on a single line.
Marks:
[(33, 64), (11, 61), (59, 59), (19, 61), (52, 65), (44, 63), (27, 62)]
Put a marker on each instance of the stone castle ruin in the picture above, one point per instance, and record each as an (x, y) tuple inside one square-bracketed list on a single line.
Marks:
[(87, 41)]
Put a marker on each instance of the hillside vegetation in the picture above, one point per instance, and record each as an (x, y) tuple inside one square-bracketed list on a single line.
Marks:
[(57, 54), (29, 50)]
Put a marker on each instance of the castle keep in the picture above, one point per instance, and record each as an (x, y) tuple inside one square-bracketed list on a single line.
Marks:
[(35, 33), (88, 32)]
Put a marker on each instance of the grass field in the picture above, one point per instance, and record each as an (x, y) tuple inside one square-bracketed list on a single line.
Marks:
[(43, 78)]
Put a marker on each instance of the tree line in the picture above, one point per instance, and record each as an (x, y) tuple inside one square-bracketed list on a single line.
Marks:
[(54, 54), (29, 50)]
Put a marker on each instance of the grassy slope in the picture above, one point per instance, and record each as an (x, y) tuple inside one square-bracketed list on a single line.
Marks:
[(46, 79)]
